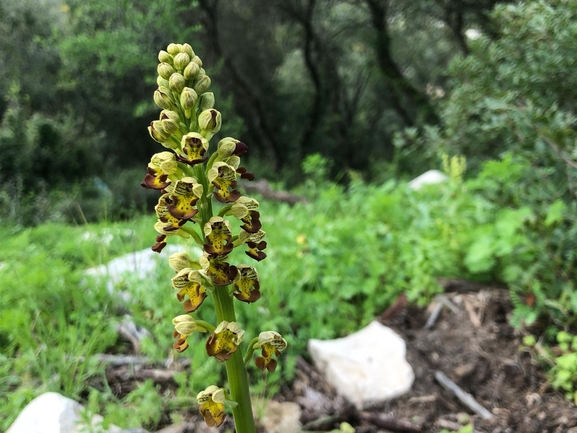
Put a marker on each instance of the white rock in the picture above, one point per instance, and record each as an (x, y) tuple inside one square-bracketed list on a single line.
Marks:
[(427, 178), (53, 413), (281, 417), (367, 367)]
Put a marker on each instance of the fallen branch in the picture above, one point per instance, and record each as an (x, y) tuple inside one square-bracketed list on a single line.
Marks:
[(393, 424), (263, 188), (465, 398), (126, 374), (434, 315)]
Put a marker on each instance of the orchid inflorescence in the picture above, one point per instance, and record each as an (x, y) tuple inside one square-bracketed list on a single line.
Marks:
[(189, 175)]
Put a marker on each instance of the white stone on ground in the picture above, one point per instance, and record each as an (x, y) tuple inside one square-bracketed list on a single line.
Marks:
[(281, 417), (427, 178), (367, 367), (53, 413)]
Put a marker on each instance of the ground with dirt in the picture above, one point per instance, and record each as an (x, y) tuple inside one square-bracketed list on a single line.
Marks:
[(471, 342)]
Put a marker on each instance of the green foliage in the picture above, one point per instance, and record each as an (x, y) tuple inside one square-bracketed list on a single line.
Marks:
[(531, 243), (515, 94), (564, 372), (320, 253)]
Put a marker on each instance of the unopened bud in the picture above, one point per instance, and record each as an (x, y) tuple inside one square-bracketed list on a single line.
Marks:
[(226, 147), (162, 98), (188, 98), (197, 60), (201, 84), (180, 261), (161, 82), (176, 82), (186, 48), (206, 100), (170, 121), (164, 57), (181, 60), (184, 324), (157, 132), (210, 120), (165, 70), (191, 71), (173, 49)]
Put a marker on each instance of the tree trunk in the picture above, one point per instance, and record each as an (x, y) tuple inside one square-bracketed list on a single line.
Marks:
[(246, 100), (412, 106)]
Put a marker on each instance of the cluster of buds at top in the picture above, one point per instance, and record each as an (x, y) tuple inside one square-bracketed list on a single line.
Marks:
[(189, 175)]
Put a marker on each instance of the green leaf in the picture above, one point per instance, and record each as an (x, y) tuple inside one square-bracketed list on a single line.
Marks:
[(555, 213)]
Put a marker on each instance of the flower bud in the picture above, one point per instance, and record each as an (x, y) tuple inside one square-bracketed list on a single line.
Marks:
[(173, 49), (206, 100), (191, 71), (162, 98), (164, 57), (186, 48), (157, 132), (170, 121), (201, 84), (210, 120), (180, 261), (184, 324), (165, 70), (181, 60), (197, 60), (226, 146), (188, 98), (176, 82), (161, 82), (165, 161)]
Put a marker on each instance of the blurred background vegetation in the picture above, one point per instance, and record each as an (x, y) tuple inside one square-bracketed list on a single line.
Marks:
[(365, 83), (340, 101)]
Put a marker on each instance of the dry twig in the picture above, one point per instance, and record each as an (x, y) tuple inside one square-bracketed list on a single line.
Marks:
[(465, 398)]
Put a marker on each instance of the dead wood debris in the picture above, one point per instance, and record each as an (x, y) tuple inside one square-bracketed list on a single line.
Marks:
[(465, 398), (263, 188)]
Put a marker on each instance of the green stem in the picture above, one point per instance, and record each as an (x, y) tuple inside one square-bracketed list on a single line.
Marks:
[(250, 350), (205, 325), (193, 233), (235, 369)]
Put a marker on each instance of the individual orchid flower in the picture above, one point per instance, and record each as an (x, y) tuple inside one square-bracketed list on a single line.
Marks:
[(161, 166), (223, 177), (246, 284), (169, 222), (224, 341), (189, 284), (245, 209), (181, 202), (255, 244), (271, 343), (194, 147), (217, 232), (211, 405), (215, 266)]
